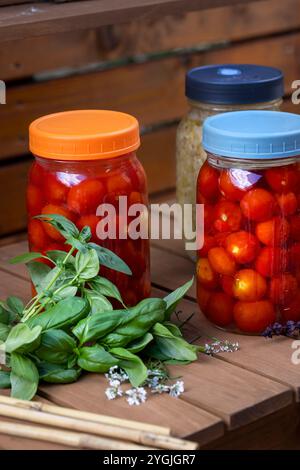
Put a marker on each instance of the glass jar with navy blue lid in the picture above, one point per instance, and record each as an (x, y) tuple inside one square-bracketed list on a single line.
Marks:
[(212, 90), (248, 269)]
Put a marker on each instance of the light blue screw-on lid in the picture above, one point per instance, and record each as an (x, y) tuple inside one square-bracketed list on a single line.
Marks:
[(253, 134)]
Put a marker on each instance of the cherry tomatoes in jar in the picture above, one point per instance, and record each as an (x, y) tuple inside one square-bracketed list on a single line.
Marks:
[(271, 261), (206, 275), (274, 232), (208, 182), (37, 235), (227, 217), (254, 317), (221, 261), (295, 227), (91, 221), (283, 288), (249, 285), (85, 197), (35, 200), (203, 296), (219, 309), (242, 246), (288, 203), (258, 205), (291, 311), (230, 186), (49, 229), (283, 179), (55, 191)]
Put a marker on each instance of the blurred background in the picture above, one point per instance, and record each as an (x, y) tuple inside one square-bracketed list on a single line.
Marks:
[(137, 66)]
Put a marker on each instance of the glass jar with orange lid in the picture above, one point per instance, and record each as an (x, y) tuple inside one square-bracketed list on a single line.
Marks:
[(83, 159)]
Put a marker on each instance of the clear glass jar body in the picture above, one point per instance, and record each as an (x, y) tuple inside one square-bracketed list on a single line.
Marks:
[(75, 189), (248, 270), (190, 154)]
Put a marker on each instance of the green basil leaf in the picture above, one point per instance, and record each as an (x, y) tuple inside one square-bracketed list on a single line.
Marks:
[(58, 374), (4, 315), (98, 325), (58, 256), (85, 234), (26, 258), (4, 331), (104, 286), (23, 339), (24, 377), (64, 314), (4, 379), (173, 329), (175, 297), (87, 264), (61, 223), (38, 272), (56, 347), (140, 343), (98, 302), (96, 359), (134, 367), (172, 346), (77, 244), (69, 291), (153, 352), (15, 304), (109, 259)]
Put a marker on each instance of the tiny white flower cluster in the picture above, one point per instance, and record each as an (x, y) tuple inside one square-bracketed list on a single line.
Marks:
[(217, 347), (138, 395)]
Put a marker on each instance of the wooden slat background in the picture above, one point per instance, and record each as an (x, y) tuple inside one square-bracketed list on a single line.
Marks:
[(137, 67)]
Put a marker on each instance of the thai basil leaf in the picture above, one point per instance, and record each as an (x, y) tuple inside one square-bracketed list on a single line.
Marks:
[(96, 359), (98, 325), (173, 329), (15, 304), (24, 377), (98, 302), (140, 343), (144, 316), (85, 234), (58, 256), (38, 272), (4, 315), (104, 286), (26, 258), (56, 347), (77, 244), (64, 314), (4, 331), (69, 291), (61, 223), (4, 379), (22, 339), (172, 346), (134, 367), (175, 297), (87, 264), (109, 259), (59, 374)]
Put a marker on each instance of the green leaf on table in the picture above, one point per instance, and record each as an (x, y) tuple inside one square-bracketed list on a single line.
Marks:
[(175, 297), (56, 346), (4, 331), (64, 226), (173, 347), (26, 257), (96, 359), (57, 373), (87, 264), (104, 286), (63, 315), (140, 343), (38, 273), (95, 326), (174, 329), (98, 302), (109, 259), (23, 339), (15, 305), (24, 377), (4, 379), (134, 367)]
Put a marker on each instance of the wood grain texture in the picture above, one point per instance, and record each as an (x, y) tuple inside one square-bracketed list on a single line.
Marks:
[(36, 19)]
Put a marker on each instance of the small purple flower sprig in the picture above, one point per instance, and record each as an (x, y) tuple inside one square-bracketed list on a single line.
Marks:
[(290, 328)]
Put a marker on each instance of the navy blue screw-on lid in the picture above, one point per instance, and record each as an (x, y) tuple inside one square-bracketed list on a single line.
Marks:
[(234, 84)]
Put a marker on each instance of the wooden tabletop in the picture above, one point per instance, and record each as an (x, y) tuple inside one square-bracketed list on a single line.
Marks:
[(247, 399)]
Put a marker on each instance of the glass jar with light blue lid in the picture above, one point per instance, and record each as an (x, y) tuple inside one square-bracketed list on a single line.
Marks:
[(215, 89), (248, 270)]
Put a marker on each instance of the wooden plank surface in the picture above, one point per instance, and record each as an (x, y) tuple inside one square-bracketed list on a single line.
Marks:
[(36, 19)]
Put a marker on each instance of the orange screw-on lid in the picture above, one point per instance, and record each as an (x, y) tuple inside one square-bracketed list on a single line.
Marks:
[(84, 135)]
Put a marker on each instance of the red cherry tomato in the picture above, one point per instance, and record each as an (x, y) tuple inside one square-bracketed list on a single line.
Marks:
[(295, 256), (274, 232), (249, 285), (35, 200), (292, 310), (90, 221), (208, 182), (254, 317), (85, 197), (271, 261), (219, 309), (206, 275), (49, 229), (54, 190), (209, 242), (36, 234), (36, 174), (221, 261), (119, 184), (203, 296), (136, 198), (283, 288), (227, 284), (221, 238), (227, 217), (283, 179), (295, 227), (242, 246), (287, 203), (230, 187), (258, 205)]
